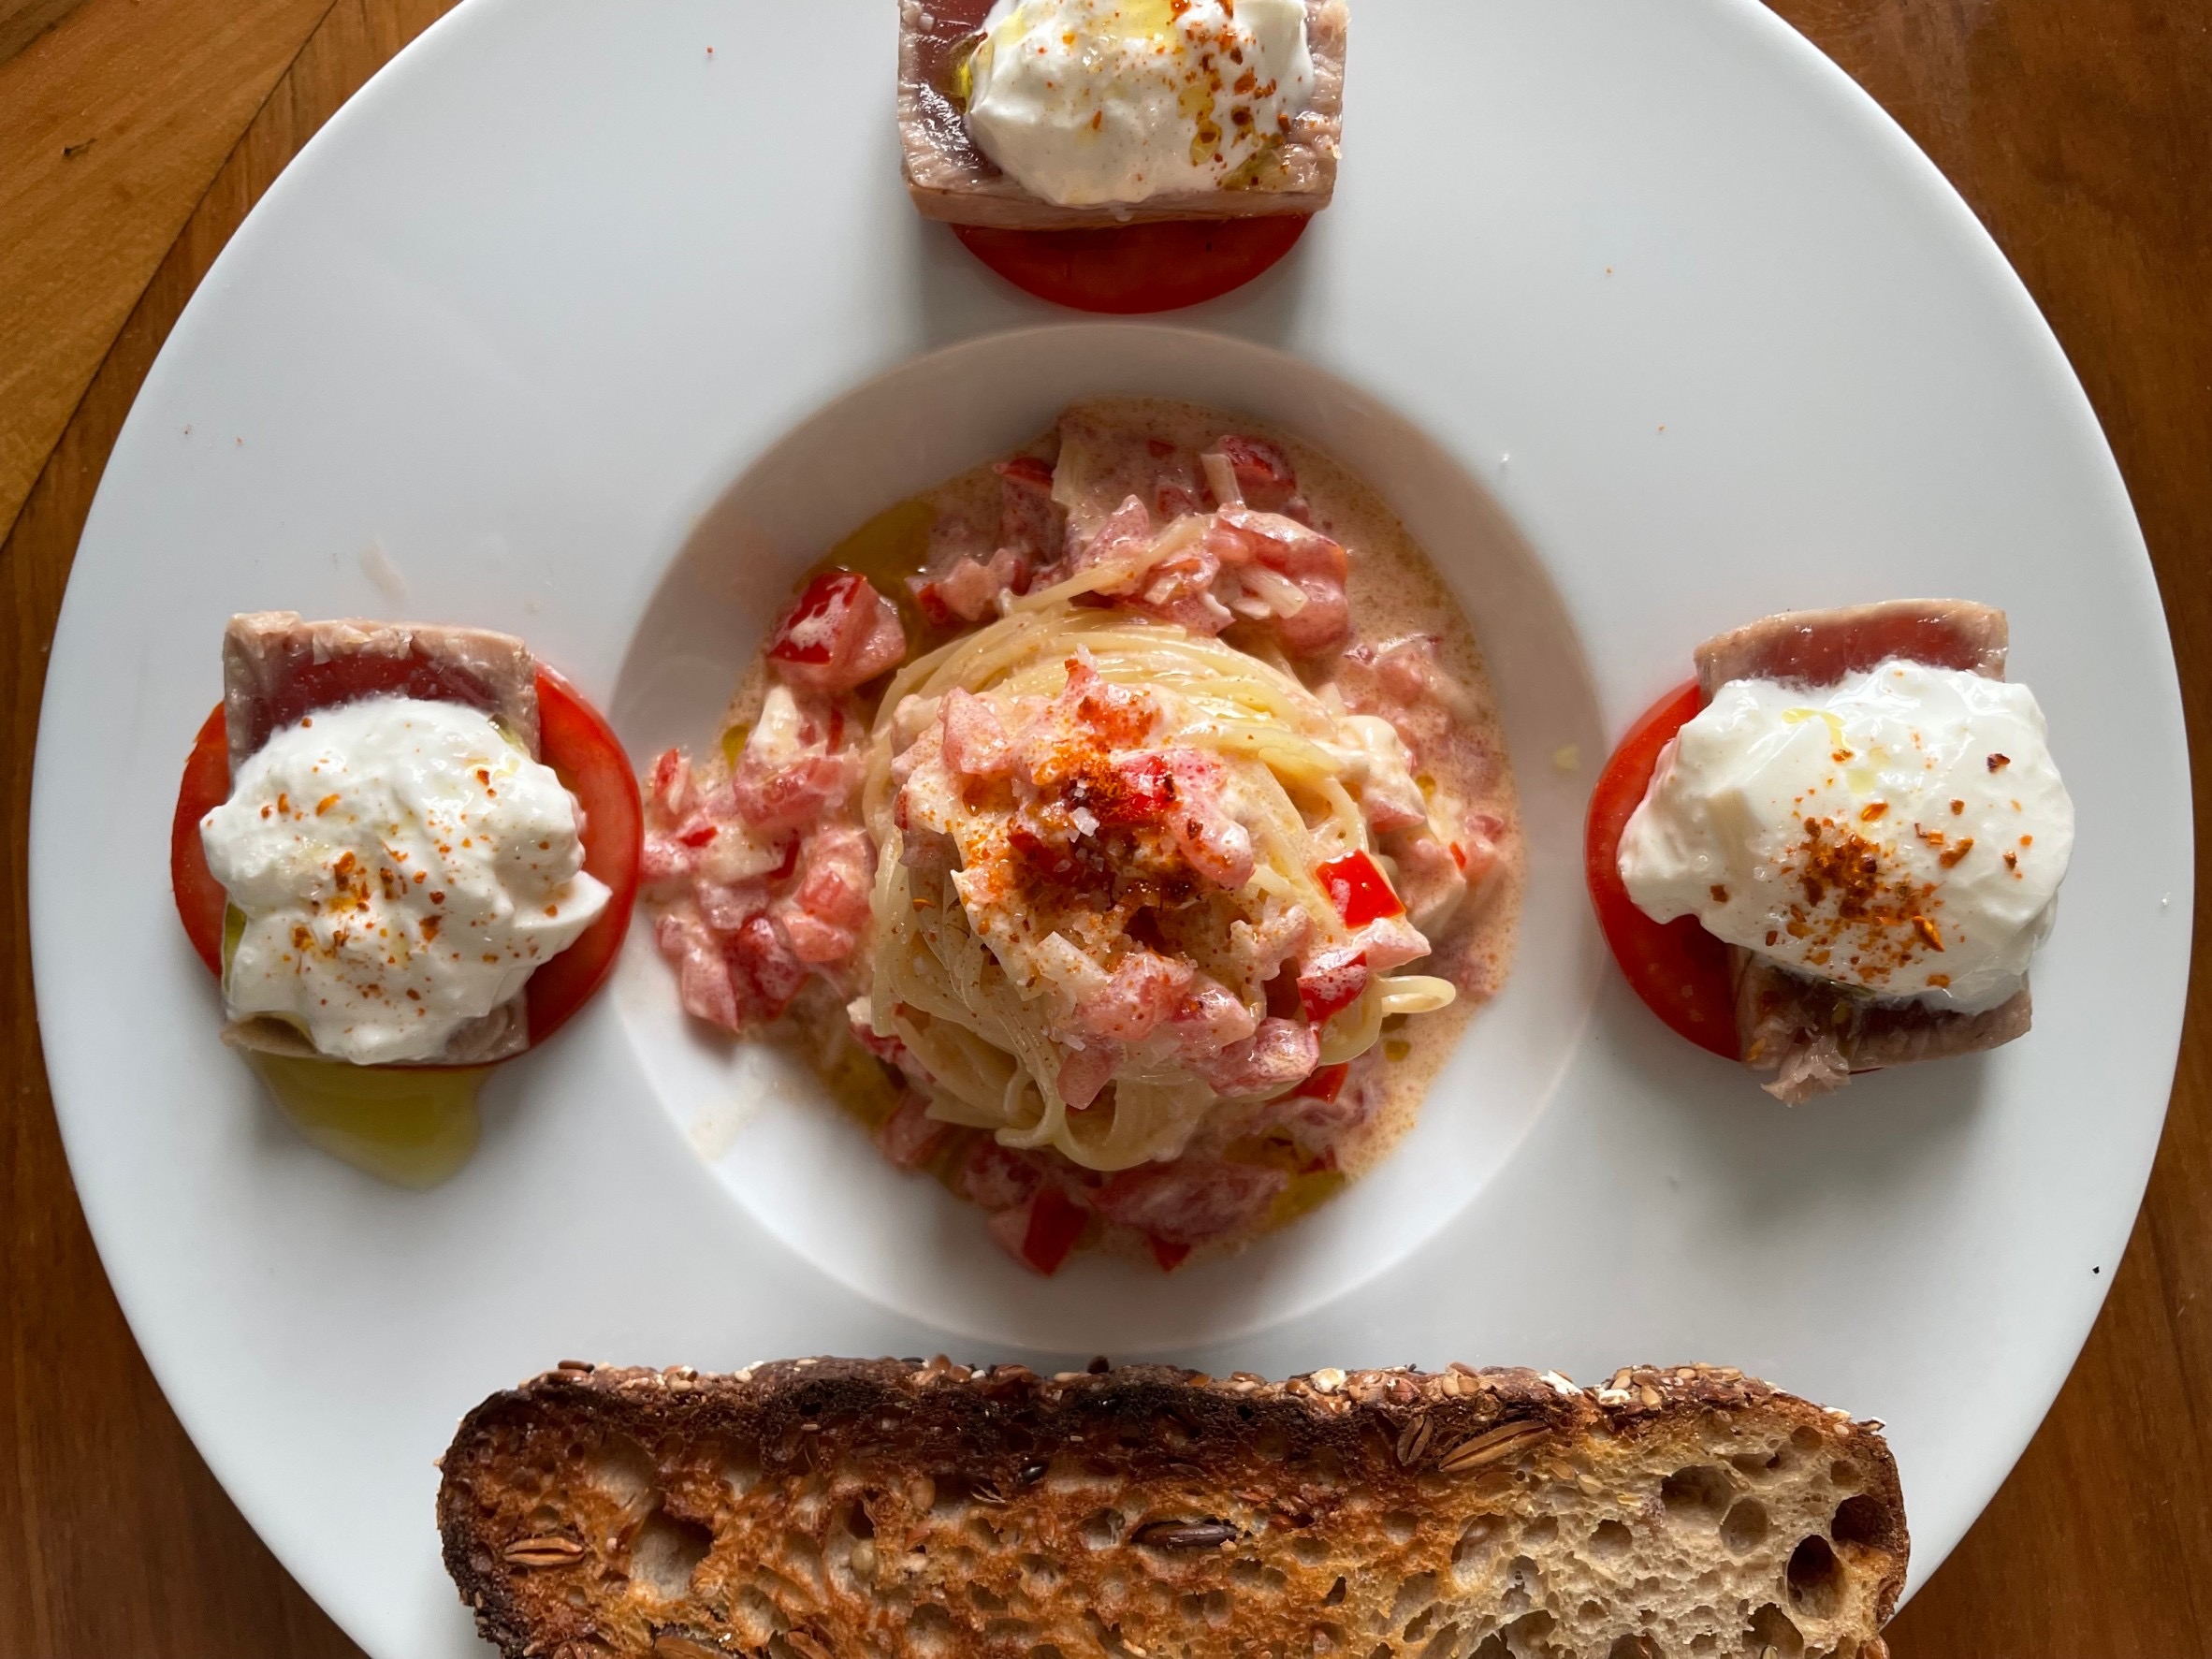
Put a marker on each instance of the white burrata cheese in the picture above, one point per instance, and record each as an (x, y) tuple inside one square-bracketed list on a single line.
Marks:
[(1902, 833), (400, 868), (1094, 102)]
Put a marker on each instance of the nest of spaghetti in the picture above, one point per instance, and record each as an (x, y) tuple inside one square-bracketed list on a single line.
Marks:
[(1115, 900)]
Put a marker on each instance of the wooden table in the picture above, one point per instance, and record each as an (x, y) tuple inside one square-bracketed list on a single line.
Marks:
[(134, 136)]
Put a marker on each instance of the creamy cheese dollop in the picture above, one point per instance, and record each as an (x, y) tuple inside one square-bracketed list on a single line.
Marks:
[(1903, 832), (401, 868), (1092, 102)]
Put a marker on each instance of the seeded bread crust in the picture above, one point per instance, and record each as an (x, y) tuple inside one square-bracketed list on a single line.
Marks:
[(818, 1507)]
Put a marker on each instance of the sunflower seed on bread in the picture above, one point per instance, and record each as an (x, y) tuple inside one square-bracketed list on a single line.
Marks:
[(820, 1508)]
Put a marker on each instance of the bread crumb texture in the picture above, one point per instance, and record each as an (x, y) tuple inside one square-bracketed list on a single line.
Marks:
[(828, 1508)]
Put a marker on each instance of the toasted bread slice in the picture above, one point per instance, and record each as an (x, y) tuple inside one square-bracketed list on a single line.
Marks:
[(949, 179), (1810, 1034), (820, 1507)]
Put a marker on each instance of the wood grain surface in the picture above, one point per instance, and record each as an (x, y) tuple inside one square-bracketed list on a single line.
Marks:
[(2079, 130)]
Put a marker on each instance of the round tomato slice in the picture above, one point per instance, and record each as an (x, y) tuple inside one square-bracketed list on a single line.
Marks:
[(200, 898), (1678, 969), (573, 739), (584, 752), (1124, 270)]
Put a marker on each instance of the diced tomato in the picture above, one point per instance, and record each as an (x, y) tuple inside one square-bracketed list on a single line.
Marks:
[(1264, 473), (1042, 1232), (1325, 1083), (1358, 890), (810, 631), (573, 739), (909, 1137), (930, 600), (997, 1177), (1191, 1201), (766, 971), (1127, 268), (1678, 969), (1169, 1253), (1332, 982), (1139, 790)]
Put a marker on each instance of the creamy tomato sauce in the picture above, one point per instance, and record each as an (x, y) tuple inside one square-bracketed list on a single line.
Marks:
[(1396, 646)]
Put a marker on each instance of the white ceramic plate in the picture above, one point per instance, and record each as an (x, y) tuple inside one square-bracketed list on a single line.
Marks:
[(1643, 316)]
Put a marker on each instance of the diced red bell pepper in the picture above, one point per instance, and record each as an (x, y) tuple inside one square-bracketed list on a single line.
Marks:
[(1324, 1083), (1041, 1231), (1358, 890), (1168, 1253)]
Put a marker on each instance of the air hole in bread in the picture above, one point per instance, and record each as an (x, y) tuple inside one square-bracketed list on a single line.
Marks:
[(987, 1599), (1844, 1475), (803, 1555), (1383, 1650), (930, 1633), (1413, 1596), (1543, 1530), (1699, 1491), (740, 1469), (1756, 1465), (665, 1552), (1493, 1647), (1477, 1540), (1417, 1626), (1040, 1576), (1770, 1627), (752, 1618), (1806, 1440), (857, 1521), (1859, 1519), (1815, 1578), (625, 1471), (1611, 1539), (1528, 1630), (1335, 1596), (1745, 1529), (1519, 1577), (1103, 1530), (1400, 1525), (1635, 1647), (1044, 1651)]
